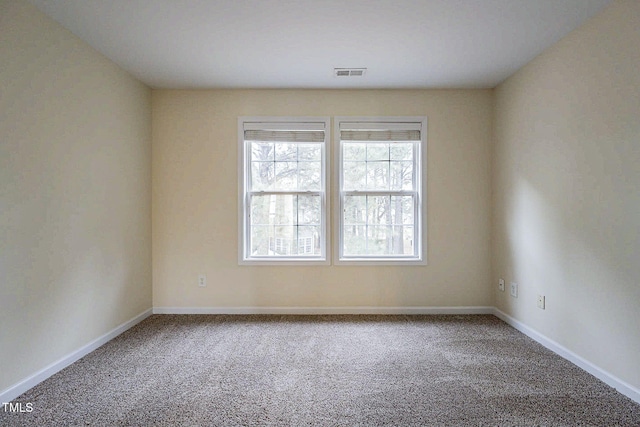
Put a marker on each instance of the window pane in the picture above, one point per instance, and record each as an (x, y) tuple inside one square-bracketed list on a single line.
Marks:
[(402, 241), (377, 175), (286, 175), (355, 176), (262, 175), (377, 151), (382, 237), (309, 152), (401, 176), (261, 235), (309, 210), (401, 210), (309, 178), (354, 151), (262, 151), (379, 240), (260, 210), (285, 225), (273, 209), (283, 241), (355, 210), (378, 210), (308, 240), (401, 151), (355, 240), (286, 152)]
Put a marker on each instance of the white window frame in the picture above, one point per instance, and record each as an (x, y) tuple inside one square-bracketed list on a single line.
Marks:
[(245, 192), (420, 208)]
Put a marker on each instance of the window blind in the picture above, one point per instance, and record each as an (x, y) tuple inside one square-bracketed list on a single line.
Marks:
[(367, 132), (284, 132)]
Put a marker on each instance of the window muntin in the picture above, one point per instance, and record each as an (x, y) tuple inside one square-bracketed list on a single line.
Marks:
[(378, 225), (380, 190), (284, 190), (279, 221)]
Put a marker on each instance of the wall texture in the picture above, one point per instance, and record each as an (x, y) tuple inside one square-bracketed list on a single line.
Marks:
[(75, 186), (195, 211), (566, 217)]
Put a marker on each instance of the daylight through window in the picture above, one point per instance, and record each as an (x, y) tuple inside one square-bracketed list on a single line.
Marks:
[(284, 200), (380, 189)]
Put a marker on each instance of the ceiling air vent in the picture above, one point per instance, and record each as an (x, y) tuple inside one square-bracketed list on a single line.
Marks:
[(349, 72)]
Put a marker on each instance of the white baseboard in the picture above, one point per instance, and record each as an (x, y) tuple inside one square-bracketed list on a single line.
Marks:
[(623, 387), (323, 310), (17, 389)]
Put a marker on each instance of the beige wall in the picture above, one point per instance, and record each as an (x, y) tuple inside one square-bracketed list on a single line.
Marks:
[(75, 185), (566, 191), (195, 185)]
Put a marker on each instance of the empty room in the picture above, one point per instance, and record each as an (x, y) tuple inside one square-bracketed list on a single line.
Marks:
[(284, 213)]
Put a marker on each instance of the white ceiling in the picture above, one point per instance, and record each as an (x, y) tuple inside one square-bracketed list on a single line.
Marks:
[(297, 43)]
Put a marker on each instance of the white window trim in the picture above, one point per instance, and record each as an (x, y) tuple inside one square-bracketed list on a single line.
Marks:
[(421, 221), (243, 175)]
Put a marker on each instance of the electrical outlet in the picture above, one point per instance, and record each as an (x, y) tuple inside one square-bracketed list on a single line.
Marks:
[(501, 284), (541, 301), (514, 289), (202, 280)]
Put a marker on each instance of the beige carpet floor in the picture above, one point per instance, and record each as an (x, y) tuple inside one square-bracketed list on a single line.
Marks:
[(207, 370)]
